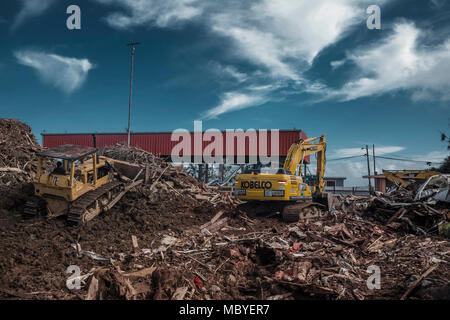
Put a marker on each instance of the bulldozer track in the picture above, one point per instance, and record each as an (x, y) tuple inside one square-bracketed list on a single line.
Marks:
[(78, 208), (34, 207)]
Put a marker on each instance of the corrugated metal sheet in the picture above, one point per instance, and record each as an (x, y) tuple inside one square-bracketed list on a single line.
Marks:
[(160, 142)]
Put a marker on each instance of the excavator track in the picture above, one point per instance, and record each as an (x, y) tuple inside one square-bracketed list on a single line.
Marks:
[(34, 207), (79, 209), (294, 212)]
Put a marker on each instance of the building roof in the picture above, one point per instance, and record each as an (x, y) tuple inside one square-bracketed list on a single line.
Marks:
[(377, 176), (145, 132), (68, 152)]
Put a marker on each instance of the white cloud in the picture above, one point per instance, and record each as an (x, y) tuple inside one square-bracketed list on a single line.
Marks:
[(397, 63), (252, 95), (228, 71), (64, 73), (438, 3), (285, 36), (152, 12), (232, 101), (349, 152), (337, 64), (280, 38), (31, 8)]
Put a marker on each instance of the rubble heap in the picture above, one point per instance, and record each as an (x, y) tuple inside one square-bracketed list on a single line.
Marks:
[(264, 258), (167, 187), (420, 209), (17, 148), (175, 238)]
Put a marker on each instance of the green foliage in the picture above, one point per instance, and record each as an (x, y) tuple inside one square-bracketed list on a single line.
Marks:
[(445, 167)]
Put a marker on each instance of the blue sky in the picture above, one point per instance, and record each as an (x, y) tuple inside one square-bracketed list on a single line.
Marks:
[(283, 64)]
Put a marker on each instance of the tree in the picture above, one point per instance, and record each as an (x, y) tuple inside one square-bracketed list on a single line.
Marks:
[(445, 167), (445, 138)]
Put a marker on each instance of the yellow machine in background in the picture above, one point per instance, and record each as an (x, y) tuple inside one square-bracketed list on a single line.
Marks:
[(82, 186), (404, 177), (284, 185)]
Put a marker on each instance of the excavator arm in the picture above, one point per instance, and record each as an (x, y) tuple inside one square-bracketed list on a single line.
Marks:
[(297, 153)]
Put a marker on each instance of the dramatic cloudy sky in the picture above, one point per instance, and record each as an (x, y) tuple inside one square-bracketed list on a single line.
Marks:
[(305, 64)]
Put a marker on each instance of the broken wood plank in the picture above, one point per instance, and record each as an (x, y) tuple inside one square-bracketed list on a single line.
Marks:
[(179, 293), (93, 289), (214, 219), (141, 273), (416, 283), (15, 170), (396, 215), (217, 225), (135, 244)]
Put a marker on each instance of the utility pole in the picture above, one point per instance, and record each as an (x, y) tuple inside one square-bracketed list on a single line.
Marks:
[(368, 168), (374, 167), (132, 44)]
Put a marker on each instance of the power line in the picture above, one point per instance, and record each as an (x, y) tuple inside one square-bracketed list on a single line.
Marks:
[(344, 158), (409, 160), (388, 158)]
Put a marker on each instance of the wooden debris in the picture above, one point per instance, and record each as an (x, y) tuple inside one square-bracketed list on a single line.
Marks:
[(135, 244), (179, 293), (416, 283), (93, 289)]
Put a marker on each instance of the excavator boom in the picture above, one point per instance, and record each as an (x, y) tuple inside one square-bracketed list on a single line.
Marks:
[(297, 153)]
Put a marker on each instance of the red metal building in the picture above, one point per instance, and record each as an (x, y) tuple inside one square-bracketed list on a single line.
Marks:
[(161, 143)]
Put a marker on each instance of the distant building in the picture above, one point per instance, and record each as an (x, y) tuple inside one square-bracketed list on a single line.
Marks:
[(381, 184), (334, 182)]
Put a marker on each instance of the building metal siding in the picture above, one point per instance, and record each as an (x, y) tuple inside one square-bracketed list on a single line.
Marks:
[(160, 142)]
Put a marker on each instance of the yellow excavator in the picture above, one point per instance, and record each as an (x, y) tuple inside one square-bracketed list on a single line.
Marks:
[(81, 186), (283, 186)]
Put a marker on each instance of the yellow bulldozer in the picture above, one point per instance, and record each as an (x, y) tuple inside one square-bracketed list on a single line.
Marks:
[(81, 186), (283, 186)]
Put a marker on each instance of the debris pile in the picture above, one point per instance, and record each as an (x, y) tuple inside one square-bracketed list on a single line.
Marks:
[(263, 258), (167, 187), (17, 148), (175, 238), (419, 208)]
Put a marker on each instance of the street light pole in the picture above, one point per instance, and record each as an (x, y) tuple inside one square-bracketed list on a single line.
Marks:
[(133, 44), (368, 168)]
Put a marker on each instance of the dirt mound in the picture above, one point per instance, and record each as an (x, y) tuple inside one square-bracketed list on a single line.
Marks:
[(17, 152)]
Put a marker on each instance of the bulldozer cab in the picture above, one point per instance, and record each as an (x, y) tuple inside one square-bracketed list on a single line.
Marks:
[(79, 170)]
